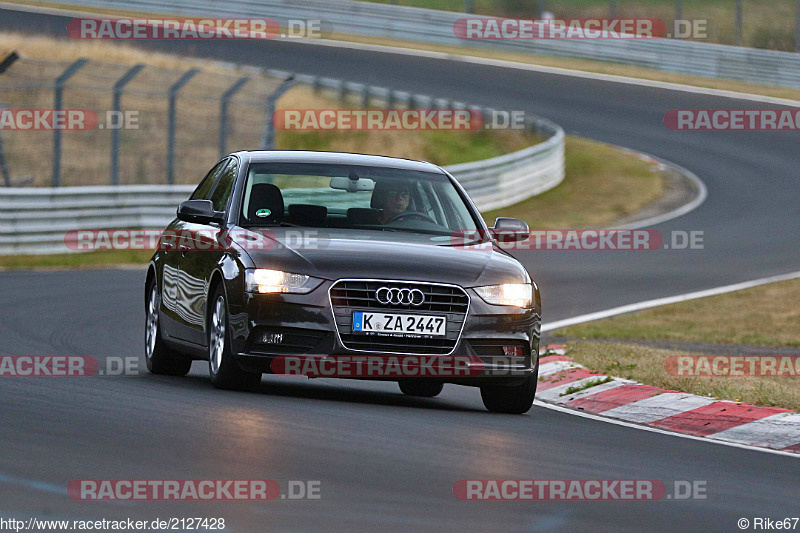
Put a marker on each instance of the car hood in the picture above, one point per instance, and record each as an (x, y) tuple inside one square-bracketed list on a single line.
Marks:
[(331, 254)]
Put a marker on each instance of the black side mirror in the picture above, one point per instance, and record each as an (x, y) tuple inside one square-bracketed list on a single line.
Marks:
[(510, 230), (200, 212)]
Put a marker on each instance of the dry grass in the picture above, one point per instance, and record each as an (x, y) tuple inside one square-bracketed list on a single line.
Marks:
[(646, 365), (762, 316), (49, 49), (86, 155), (602, 184), (86, 158)]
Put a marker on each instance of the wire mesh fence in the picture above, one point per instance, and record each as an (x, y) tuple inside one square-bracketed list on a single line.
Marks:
[(134, 124)]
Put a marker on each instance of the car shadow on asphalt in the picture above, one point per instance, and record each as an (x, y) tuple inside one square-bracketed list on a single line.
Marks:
[(327, 390)]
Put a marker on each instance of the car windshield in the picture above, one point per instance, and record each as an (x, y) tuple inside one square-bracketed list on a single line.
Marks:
[(352, 196)]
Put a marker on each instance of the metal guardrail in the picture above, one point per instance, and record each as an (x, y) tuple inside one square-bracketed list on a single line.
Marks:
[(36, 220), (432, 26)]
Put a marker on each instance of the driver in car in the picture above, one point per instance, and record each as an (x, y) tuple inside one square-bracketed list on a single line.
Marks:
[(392, 200)]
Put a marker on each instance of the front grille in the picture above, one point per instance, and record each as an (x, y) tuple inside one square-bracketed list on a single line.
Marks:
[(348, 296), (361, 294)]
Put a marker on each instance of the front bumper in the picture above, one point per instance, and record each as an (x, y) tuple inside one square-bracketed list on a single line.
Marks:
[(270, 326)]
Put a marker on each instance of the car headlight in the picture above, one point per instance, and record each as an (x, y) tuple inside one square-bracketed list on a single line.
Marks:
[(516, 294), (264, 281)]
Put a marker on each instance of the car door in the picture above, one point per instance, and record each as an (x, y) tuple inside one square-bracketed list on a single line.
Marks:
[(178, 289), (202, 255)]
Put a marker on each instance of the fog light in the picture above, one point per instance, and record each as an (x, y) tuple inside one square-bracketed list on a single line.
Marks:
[(513, 351)]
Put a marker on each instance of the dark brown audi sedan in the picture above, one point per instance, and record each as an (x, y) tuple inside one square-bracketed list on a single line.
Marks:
[(343, 265)]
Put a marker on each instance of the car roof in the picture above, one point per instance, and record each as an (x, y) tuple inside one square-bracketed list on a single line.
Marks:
[(337, 158)]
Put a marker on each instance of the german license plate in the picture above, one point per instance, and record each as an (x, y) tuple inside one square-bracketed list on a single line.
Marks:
[(392, 323)]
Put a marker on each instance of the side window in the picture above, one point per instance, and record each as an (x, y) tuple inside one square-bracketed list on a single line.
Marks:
[(222, 192), (203, 191)]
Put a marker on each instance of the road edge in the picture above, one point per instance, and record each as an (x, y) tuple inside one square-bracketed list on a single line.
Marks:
[(632, 404)]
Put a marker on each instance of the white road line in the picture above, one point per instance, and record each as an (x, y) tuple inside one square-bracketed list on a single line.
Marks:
[(600, 418), (658, 407), (777, 431), (666, 301), (697, 201)]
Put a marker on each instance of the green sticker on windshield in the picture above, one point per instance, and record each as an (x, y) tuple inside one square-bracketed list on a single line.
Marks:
[(263, 213)]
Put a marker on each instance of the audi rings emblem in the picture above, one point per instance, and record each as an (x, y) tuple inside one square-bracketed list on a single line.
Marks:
[(395, 296)]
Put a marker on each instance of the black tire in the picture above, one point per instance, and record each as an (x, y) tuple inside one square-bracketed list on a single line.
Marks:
[(160, 358), (420, 388), (516, 400), (222, 368)]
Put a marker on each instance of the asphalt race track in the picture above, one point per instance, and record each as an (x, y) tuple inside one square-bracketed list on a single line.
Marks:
[(385, 461)]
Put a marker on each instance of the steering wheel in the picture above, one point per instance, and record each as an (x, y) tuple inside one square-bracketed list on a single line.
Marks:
[(412, 214)]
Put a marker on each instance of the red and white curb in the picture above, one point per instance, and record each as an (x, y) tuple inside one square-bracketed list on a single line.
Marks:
[(679, 412)]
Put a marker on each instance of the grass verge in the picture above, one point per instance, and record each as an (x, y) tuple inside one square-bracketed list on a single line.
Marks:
[(76, 260), (602, 184), (646, 365), (761, 316)]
